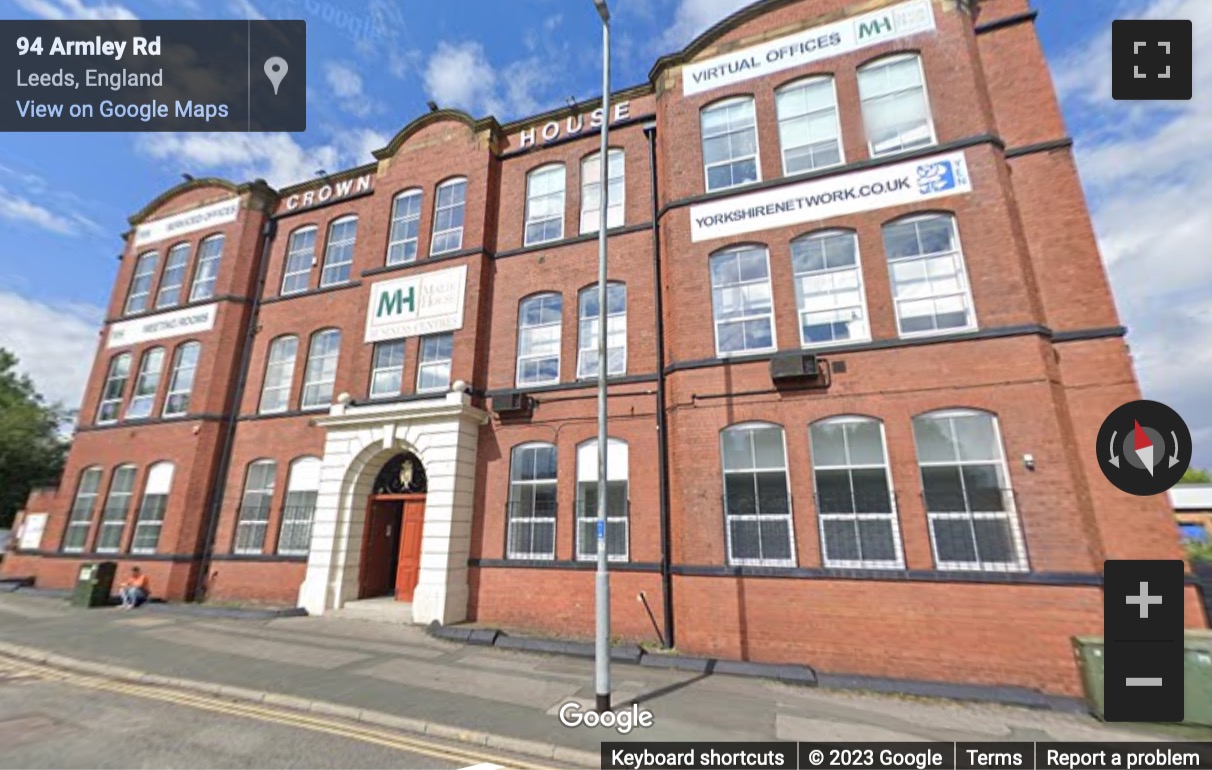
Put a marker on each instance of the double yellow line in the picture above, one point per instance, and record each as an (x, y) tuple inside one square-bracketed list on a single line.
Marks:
[(265, 714)]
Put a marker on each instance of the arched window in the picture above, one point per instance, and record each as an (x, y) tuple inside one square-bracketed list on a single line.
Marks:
[(81, 516), (539, 321), (450, 206), (210, 252), (809, 132), (151, 511), (589, 329), (757, 496), (405, 227), (338, 252), (969, 503), (545, 205), (279, 374), (591, 192), (854, 498), (140, 283), (255, 505), (895, 108), (114, 389), (300, 257), (740, 299), (181, 382), (829, 288), (321, 373), (174, 276), (929, 281), (532, 502), (117, 505), (618, 503), (146, 385), (730, 147), (437, 355), (302, 486)]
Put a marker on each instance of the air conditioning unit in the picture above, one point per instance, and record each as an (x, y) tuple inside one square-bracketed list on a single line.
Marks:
[(790, 367), (512, 404)]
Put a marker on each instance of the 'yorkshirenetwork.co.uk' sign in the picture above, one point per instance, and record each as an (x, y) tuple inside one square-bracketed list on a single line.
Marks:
[(190, 320), (421, 304), (896, 185), (891, 23), (188, 221)]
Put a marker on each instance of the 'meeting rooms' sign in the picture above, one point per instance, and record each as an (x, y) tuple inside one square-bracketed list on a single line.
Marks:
[(162, 325), (420, 304), (895, 185)]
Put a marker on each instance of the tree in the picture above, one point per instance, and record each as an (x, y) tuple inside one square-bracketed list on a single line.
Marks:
[(1196, 476), (32, 451)]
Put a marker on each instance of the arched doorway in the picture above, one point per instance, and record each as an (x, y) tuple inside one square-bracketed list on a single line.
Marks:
[(391, 541)]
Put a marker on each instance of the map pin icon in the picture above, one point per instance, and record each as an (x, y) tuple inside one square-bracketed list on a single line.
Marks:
[(275, 70)]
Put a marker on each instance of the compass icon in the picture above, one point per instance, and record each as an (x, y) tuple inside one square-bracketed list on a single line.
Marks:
[(1144, 447)]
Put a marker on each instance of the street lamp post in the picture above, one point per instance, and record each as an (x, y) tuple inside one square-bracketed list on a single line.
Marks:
[(602, 577)]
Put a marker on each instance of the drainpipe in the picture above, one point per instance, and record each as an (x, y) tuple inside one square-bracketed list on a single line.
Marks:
[(662, 432), (219, 489)]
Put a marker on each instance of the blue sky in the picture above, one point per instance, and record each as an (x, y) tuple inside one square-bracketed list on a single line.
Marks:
[(64, 198)]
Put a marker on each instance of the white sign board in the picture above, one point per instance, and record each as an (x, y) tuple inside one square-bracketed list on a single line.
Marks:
[(420, 304), (32, 527), (188, 221), (896, 185), (190, 320), (891, 23)]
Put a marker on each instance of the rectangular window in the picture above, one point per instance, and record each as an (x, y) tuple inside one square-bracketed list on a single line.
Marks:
[(740, 294), (616, 331), (151, 513), (255, 506), (618, 506), (300, 257), (174, 276), (405, 228), (207, 271), (279, 375), (829, 289), (591, 192), (450, 209), (140, 284), (809, 132), (532, 502), (321, 372), (730, 149), (895, 109), (387, 374), (115, 387), (301, 490), (181, 383), (113, 515), (539, 322), (146, 385), (338, 254), (757, 498), (545, 205), (929, 283), (81, 516), (433, 370)]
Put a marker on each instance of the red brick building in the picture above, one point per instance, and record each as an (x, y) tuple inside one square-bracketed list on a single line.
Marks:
[(861, 342)]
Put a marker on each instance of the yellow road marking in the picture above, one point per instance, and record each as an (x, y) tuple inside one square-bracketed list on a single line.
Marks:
[(266, 714)]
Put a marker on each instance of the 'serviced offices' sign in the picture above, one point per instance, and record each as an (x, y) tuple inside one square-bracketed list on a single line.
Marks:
[(186, 222), (891, 23), (428, 303)]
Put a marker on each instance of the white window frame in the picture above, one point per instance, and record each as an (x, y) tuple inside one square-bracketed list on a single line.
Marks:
[(703, 137), (784, 119), (153, 507), (587, 344), (181, 379), (400, 245), (141, 282), (715, 320), (314, 377), (376, 369), (80, 518), (285, 366), (522, 328), (147, 384), (303, 482), (892, 516), (109, 399), (116, 508), (293, 251), (176, 267), (531, 197), (958, 254), (554, 519), (333, 247), (788, 517), (439, 209), (206, 272), (615, 209), (252, 525), (828, 273), (617, 456), (425, 364), (921, 70), (1010, 515)]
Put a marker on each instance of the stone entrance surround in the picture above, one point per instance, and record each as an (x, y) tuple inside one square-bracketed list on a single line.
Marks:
[(444, 432)]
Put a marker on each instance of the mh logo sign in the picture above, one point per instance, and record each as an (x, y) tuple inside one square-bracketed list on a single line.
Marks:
[(428, 303), (391, 303), (875, 27)]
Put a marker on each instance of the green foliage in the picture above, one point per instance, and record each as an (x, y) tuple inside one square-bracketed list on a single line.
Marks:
[(31, 450), (1199, 551), (1196, 476)]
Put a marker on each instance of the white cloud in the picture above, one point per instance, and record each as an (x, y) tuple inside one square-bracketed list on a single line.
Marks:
[(460, 75), (346, 85), (693, 17), (244, 9), (76, 9), (22, 211), (55, 344)]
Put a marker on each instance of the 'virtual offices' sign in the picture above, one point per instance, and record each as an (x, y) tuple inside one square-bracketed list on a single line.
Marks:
[(420, 304)]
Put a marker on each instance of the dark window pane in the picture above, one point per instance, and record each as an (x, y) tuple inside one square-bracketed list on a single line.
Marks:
[(871, 491), (544, 500), (984, 493), (876, 538), (833, 492), (745, 540), (953, 539), (994, 540), (776, 539), (616, 538), (944, 494), (772, 492), (841, 541), (739, 492)]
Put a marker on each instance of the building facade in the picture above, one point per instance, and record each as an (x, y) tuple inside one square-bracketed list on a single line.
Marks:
[(860, 343)]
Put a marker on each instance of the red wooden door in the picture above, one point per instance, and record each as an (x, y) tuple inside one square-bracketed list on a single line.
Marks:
[(409, 569), (379, 548)]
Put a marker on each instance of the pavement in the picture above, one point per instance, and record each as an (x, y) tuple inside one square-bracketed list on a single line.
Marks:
[(399, 676)]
